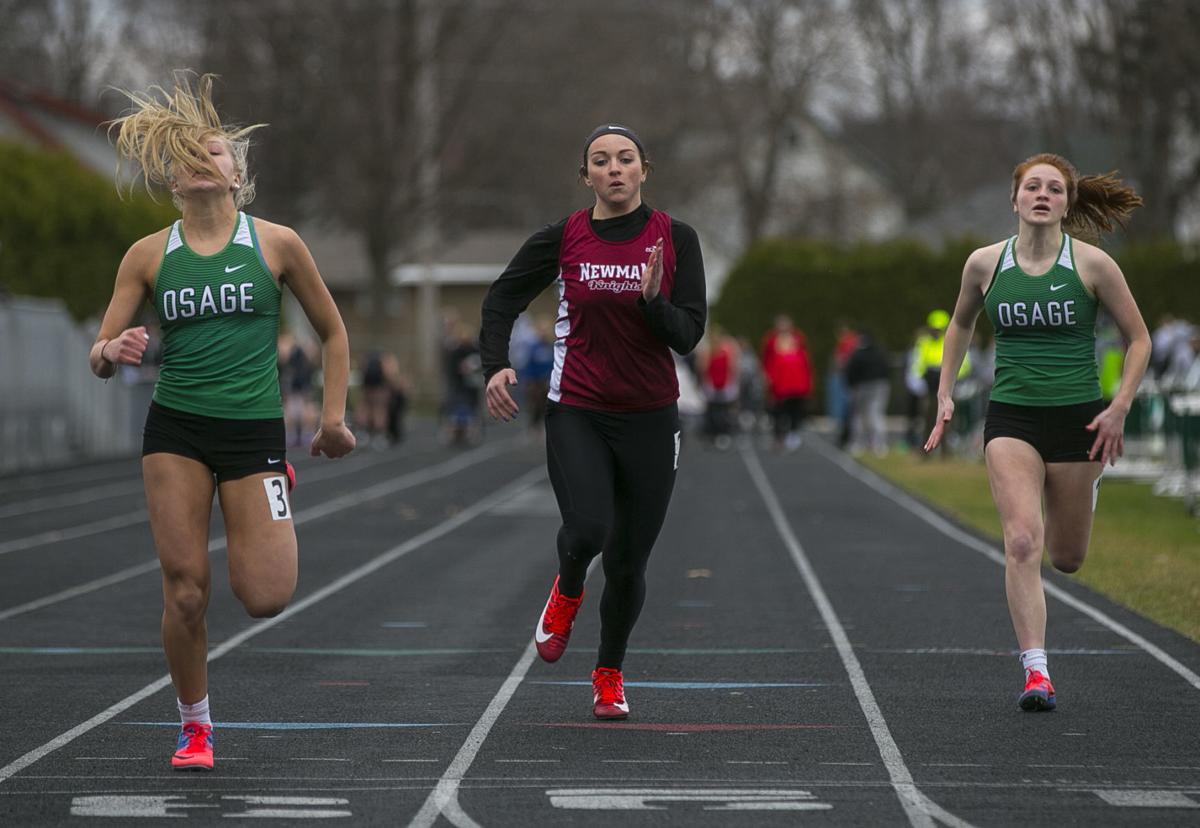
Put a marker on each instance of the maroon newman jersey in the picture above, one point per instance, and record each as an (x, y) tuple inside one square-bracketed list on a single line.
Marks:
[(605, 356)]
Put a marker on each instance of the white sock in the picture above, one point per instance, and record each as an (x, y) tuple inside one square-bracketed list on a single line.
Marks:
[(197, 712), (1034, 660)]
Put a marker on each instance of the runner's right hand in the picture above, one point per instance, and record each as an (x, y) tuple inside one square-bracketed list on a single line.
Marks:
[(500, 403), (128, 348), (945, 412)]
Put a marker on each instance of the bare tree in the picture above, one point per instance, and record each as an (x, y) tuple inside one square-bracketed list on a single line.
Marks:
[(1112, 83), (1141, 61), (24, 56), (931, 88), (761, 63)]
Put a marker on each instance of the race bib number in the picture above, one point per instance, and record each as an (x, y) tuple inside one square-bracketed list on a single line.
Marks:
[(277, 497)]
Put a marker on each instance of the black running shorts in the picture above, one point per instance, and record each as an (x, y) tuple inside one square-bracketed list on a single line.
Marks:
[(231, 448), (1058, 432)]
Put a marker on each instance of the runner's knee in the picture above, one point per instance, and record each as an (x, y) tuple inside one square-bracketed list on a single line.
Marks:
[(1023, 546), (1069, 562), (185, 600), (262, 604), (580, 538)]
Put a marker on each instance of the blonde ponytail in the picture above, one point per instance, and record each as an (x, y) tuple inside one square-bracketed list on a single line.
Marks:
[(161, 136)]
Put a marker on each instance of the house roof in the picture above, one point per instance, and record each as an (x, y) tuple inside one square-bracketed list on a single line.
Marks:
[(475, 259), (34, 118)]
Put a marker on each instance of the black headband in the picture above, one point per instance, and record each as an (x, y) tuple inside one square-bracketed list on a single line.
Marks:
[(613, 129)]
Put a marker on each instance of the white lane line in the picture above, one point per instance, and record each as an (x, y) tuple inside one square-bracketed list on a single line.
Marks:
[(445, 527), (641, 761), (907, 501), (316, 759), (43, 504), (122, 488), (82, 531), (85, 588), (443, 799), (412, 760), (380, 490), (920, 809), (115, 758), (64, 477)]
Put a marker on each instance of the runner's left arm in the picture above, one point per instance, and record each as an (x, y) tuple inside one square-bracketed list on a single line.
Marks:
[(679, 321)]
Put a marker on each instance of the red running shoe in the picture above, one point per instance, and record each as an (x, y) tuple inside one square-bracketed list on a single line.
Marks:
[(608, 694), (1038, 694), (194, 750), (554, 627), (291, 474)]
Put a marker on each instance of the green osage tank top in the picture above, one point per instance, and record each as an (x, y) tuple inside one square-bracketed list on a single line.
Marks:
[(1045, 332), (220, 321)]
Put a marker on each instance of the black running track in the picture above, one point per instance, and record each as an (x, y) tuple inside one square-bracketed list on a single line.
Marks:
[(816, 647)]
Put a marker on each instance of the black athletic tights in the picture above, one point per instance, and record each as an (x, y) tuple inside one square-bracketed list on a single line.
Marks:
[(613, 475)]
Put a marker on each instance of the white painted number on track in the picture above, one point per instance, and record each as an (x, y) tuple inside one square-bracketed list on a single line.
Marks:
[(282, 807), (277, 497), (1147, 799), (659, 799)]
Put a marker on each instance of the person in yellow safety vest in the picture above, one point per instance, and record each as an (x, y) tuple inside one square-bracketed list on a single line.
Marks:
[(927, 362)]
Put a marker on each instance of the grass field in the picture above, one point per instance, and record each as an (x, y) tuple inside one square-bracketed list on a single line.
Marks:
[(1145, 550)]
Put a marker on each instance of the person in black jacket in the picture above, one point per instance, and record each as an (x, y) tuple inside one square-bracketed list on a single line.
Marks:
[(868, 376)]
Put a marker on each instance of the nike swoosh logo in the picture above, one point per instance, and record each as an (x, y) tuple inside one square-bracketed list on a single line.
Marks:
[(229, 269), (1056, 287), (537, 632), (622, 706), (273, 462)]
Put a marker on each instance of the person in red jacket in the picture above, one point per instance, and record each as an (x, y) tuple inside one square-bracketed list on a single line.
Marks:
[(789, 380), (719, 367)]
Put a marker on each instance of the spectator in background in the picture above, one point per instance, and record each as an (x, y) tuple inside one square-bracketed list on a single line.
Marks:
[(1169, 345), (718, 364), (464, 386), (1110, 354), (839, 399), (868, 378), (535, 372), (788, 371), (374, 395), (397, 407), (751, 388), (929, 366), (1189, 380), (915, 388), (296, 371)]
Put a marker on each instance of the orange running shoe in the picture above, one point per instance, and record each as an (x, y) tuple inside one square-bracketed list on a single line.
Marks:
[(194, 750), (554, 627), (1038, 694), (608, 694)]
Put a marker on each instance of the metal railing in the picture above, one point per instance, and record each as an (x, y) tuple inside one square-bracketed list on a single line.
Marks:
[(53, 410)]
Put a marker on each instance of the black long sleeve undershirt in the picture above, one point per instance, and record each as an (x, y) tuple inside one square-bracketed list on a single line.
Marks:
[(678, 322)]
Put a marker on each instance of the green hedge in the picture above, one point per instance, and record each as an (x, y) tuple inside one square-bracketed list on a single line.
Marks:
[(890, 287), (64, 229)]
